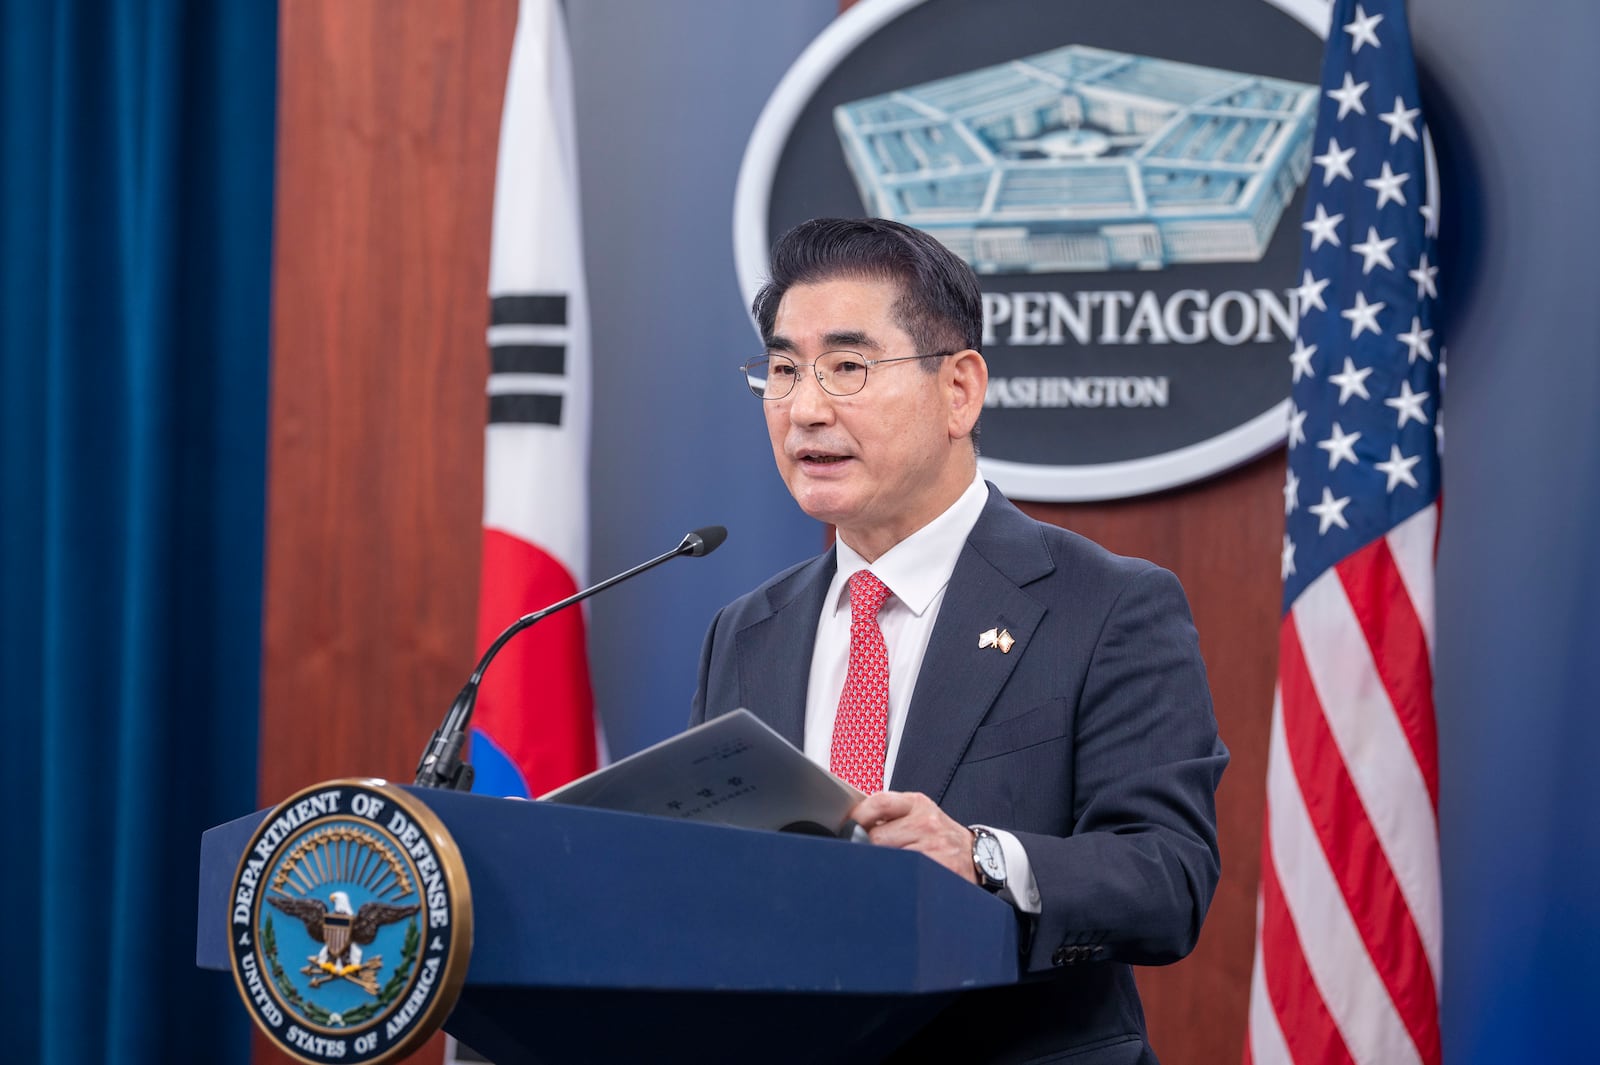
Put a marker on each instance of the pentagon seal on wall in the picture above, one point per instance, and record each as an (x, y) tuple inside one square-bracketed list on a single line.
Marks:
[(351, 923), (1126, 179)]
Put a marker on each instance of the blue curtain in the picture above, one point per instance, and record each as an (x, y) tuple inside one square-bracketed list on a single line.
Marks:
[(136, 156)]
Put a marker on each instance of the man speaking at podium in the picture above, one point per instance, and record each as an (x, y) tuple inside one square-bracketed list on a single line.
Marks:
[(1022, 706)]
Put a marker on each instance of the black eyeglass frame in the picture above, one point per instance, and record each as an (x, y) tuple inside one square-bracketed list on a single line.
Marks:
[(822, 381)]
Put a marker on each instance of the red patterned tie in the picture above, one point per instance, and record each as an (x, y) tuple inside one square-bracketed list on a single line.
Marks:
[(861, 728)]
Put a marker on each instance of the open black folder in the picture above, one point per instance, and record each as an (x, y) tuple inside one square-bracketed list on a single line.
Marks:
[(731, 770)]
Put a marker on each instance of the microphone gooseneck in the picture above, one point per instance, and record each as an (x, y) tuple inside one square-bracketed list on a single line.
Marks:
[(441, 765)]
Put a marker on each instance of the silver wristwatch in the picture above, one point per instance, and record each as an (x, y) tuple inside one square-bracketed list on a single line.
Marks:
[(988, 859)]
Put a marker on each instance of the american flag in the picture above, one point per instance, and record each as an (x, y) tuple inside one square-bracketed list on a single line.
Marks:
[(1347, 962)]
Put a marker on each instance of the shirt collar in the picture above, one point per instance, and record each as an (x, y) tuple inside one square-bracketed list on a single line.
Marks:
[(917, 568)]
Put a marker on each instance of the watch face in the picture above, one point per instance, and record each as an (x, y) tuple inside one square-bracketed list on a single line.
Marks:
[(990, 858)]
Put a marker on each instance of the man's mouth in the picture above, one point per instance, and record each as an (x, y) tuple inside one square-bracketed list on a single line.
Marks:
[(821, 458)]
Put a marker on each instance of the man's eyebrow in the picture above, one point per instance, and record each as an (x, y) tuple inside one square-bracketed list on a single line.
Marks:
[(849, 338)]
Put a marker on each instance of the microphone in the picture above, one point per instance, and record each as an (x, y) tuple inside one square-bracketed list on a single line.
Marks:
[(701, 542), (441, 765)]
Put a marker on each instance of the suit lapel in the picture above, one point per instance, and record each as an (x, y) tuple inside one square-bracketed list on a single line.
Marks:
[(775, 651), (960, 681)]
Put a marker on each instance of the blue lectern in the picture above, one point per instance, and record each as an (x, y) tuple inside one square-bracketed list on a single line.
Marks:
[(609, 937)]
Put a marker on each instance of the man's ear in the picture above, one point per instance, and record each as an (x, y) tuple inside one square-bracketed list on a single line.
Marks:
[(966, 383)]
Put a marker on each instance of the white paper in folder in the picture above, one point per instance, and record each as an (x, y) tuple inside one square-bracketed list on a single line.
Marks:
[(731, 770)]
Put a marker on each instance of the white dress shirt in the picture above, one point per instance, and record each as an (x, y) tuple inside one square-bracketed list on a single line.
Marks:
[(916, 571)]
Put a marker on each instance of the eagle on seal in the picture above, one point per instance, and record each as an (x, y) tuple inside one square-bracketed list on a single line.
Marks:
[(341, 931)]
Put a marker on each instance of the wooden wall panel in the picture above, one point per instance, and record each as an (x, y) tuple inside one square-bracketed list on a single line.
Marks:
[(388, 121)]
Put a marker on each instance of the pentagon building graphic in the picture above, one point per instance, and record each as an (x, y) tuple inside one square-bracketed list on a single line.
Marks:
[(1085, 159)]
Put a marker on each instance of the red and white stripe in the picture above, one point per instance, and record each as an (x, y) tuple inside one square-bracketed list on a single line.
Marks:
[(1348, 957)]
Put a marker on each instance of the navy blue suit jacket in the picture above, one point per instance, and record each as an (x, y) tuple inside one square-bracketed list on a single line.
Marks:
[(1093, 740)]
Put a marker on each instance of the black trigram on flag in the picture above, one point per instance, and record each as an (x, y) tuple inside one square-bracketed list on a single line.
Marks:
[(528, 340)]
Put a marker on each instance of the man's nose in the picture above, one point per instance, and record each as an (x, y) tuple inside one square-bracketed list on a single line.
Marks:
[(809, 402)]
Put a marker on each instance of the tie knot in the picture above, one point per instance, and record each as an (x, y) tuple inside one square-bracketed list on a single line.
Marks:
[(867, 594)]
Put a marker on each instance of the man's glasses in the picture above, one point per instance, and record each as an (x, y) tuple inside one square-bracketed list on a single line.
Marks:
[(840, 373)]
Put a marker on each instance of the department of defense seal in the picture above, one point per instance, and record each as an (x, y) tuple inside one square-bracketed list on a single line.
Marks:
[(350, 923)]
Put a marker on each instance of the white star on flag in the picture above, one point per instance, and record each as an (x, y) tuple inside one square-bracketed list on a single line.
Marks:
[(1322, 227), (1340, 445), (1291, 494), (1330, 511), (1417, 341), (1300, 359), (1352, 382), (1335, 162), (1310, 293), (1363, 30), (1374, 251), (1286, 559), (1423, 275), (1398, 468), (1400, 121), (1363, 315), (1297, 426), (1388, 185), (1408, 404), (1349, 96)]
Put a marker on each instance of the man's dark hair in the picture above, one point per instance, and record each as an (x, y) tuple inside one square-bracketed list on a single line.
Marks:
[(940, 305)]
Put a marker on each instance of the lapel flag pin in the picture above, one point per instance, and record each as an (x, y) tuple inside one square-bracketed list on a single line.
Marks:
[(1000, 638)]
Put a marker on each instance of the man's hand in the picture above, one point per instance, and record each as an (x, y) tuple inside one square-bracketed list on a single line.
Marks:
[(912, 821)]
